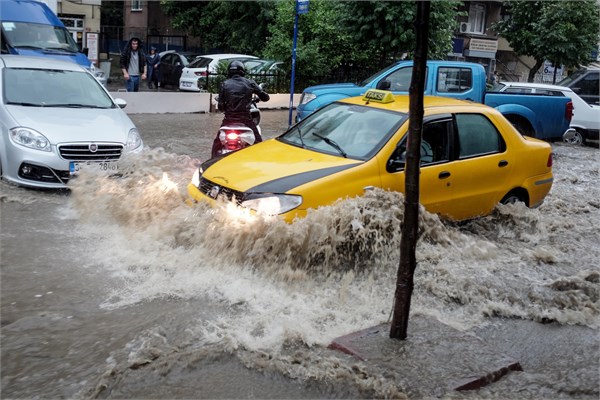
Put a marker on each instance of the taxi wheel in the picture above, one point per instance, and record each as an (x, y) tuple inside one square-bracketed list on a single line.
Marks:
[(515, 196)]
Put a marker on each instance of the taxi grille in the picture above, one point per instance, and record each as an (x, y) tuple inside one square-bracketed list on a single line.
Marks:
[(82, 152), (214, 191)]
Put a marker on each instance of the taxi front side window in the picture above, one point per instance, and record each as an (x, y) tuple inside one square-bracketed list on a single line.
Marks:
[(435, 145)]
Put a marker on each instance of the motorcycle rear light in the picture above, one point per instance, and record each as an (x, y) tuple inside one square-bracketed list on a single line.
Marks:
[(569, 110), (232, 135)]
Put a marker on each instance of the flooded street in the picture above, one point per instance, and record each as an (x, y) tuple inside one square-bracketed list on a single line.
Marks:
[(117, 289)]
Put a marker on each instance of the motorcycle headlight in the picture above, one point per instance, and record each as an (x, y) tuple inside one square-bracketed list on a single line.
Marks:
[(306, 97), (134, 141), (272, 204), (30, 138)]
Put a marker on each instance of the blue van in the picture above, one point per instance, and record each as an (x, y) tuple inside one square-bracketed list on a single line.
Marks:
[(31, 28)]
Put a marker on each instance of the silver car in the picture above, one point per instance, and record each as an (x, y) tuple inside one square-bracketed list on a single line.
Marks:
[(56, 118)]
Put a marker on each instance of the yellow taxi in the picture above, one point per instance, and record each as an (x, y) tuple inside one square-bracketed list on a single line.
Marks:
[(472, 158)]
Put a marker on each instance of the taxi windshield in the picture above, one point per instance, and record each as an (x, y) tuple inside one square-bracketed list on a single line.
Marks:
[(347, 130)]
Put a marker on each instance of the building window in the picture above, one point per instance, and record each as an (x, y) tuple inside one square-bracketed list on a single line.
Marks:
[(136, 5), (477, 17)]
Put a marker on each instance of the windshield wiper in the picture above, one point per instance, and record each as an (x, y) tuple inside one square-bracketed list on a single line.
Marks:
[(23, 103), (61, 49), (29, 47), (331, 143), (73, 105)]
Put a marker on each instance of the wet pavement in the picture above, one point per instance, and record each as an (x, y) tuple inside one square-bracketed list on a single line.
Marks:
[(118, 290)]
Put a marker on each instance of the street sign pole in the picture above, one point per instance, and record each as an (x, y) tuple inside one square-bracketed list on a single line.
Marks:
[(301, 8)]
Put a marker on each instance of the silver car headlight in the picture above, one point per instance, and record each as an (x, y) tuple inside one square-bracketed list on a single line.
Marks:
[(272, 204), (30, 138), (307, 97), (133, 140)]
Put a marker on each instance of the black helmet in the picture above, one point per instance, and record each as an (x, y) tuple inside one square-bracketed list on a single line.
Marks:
[(236, 68)]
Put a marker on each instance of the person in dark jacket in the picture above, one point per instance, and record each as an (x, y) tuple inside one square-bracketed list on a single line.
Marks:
[(235, 99), (133, 64), (152, 62)]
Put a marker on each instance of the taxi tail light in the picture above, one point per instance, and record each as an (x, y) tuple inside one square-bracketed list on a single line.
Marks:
[(569, 110), (550, 158)]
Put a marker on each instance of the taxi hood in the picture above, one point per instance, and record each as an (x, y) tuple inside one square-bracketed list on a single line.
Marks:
[(273, 167)]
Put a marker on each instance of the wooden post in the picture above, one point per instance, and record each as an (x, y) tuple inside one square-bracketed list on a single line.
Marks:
[(408, 243)]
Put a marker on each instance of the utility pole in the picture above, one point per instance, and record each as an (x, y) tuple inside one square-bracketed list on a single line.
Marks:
[(410, 226)]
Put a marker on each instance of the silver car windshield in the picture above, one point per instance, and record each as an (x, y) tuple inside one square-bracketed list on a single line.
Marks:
[(347, 130), (53, 88), (38, 36)]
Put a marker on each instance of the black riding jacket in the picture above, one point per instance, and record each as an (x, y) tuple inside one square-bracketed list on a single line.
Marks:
[(235, 97)]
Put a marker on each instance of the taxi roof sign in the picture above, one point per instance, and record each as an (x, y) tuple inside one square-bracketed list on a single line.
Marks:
[(379, 96)]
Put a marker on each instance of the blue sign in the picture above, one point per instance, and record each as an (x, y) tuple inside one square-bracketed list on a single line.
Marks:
[(302, 6)]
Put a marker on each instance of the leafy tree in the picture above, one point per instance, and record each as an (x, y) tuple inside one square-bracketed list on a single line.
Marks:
[(563, 32), (385, 30), (360, 35), (227, 26)]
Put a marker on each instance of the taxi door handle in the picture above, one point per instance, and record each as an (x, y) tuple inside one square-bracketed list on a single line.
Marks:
[(444, 174), (503, 163)]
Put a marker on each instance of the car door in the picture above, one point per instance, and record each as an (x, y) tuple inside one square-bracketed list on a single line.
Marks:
[(464, 165), (436, 189), (166, 68), (480, 168)]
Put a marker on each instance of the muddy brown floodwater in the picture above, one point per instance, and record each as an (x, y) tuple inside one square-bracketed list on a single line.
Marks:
[(117, 289)]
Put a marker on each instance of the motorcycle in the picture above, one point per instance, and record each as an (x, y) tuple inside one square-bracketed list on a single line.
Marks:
[(236, 136)]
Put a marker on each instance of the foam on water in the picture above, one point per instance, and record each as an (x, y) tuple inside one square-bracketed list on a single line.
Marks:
[(334, 271)]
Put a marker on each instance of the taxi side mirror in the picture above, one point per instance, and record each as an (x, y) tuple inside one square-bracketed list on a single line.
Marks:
[(384, 85)]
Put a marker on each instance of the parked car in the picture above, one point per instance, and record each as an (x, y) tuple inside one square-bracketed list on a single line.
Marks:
[(172, 63), (586, 118), (586, 83), (194, 76), (472, 158), (55, 119), (267, 67)]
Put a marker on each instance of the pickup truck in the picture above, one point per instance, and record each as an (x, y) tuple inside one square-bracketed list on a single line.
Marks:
[(540, 116)]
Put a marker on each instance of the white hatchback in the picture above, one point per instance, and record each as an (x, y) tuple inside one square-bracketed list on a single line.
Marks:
[(55, 119), (194, 75)]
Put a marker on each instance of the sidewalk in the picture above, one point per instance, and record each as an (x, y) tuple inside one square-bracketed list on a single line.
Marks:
[(168, 100)]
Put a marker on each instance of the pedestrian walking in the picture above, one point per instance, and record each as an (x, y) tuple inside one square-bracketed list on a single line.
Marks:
[(133, 64), (152, 63)]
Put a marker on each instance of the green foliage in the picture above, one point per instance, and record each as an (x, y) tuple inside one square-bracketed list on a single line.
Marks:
[(226, 26), (362, 36), (563, 32)]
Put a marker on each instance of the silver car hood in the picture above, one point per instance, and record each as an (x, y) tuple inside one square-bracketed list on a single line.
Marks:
[(60, 125)]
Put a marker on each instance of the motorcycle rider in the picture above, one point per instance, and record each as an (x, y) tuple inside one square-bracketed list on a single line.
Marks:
[(235, 99)]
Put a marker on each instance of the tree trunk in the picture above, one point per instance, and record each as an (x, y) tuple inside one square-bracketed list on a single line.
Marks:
[(410, 226), (534, 70)]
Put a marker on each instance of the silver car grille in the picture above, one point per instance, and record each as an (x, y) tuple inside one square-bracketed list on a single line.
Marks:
[(91, 151)]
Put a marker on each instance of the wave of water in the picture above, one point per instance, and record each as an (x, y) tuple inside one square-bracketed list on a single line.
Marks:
[(334, 271)]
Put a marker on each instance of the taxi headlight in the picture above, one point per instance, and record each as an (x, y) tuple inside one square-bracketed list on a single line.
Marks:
[(30, 138), (134, 141), (272, 204), (307, 97), (196, 177)]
